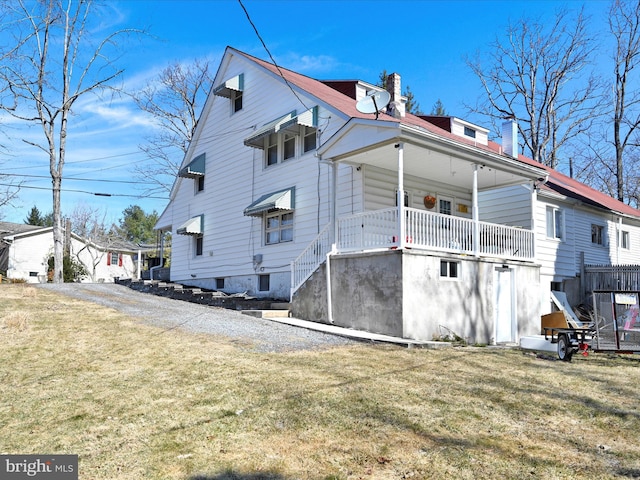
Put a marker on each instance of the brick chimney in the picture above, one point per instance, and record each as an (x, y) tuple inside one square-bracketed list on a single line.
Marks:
[(396, 106), (510, 137)]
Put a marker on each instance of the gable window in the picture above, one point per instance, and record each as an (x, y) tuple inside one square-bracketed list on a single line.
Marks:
[(449, 269), (278, 228), (200, 184), (597, 234), (198, 241), (623, 239), (555, 227), (232, 89), (237, 102)]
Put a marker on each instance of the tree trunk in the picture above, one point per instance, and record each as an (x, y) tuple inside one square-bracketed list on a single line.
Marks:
[(58, 233)]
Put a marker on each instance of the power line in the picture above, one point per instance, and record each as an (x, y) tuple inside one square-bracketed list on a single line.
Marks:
[(255, 29), (97, 194), (72, 178)]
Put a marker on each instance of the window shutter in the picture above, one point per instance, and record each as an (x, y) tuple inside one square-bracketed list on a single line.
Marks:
[(120, 260), (108, 258)]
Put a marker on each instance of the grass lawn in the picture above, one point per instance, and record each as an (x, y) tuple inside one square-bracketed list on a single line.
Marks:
[(138, 402)]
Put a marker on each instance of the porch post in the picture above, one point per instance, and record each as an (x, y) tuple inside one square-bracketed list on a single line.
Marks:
[(333, 234), (474, 213), (400, 199)]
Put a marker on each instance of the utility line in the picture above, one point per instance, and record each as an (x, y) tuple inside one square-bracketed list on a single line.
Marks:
[(255, 29), (97, 194), (72, 178)]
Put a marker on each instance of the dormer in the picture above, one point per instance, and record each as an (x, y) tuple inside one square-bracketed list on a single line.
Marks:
[(459, 127)]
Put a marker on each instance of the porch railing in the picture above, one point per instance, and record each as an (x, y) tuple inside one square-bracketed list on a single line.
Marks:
[(311, 258), (433, 231), (424, 230)]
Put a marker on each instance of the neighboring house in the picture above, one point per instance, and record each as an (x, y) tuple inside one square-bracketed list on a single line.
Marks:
[(388, 222), (25, 250)]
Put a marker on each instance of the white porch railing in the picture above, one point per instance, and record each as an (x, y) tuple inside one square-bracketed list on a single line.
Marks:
[(311, 258), (432, 231), (424, 230)]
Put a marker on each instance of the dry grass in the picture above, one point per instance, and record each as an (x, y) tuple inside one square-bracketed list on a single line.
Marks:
[(138, 402)]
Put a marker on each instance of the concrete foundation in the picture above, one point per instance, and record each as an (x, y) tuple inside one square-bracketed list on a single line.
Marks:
[(402, 293)]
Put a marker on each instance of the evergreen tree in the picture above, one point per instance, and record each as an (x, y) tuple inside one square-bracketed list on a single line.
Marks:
[(137, 226), (37, 218), (438, 109)]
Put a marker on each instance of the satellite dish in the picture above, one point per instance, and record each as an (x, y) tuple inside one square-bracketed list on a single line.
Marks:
[(374, 102)]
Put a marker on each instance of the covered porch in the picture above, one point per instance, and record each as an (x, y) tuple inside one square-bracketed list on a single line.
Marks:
[(440, 161)]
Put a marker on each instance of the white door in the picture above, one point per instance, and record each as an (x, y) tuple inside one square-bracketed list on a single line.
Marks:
[(505, 312)]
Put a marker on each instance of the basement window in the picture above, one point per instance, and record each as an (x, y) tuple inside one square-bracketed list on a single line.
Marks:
[(263, 283), (449, 269), (219, 283)]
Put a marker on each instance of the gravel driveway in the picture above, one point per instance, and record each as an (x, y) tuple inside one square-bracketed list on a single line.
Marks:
[(260, 334)]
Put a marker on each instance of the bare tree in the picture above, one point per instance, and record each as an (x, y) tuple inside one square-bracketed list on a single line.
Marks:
[(53, 62), (537, 74), (624, 25), (174, 99)]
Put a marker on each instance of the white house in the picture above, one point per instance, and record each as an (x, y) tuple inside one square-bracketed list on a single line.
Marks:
[(26, 249), (382, 220)]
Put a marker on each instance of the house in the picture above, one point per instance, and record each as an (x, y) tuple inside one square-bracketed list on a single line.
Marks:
[(25, 251), (370, 218)]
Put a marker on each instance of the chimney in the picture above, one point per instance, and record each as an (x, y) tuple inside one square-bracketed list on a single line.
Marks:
[(510, 137), (396, 107)]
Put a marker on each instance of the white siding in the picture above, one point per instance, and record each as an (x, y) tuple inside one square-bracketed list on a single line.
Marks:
[(381, 186), (28, 257), (29, 254), (236, 176), (507, 206)]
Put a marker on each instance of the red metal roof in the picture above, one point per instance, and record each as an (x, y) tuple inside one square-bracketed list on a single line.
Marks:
[(557, 181)]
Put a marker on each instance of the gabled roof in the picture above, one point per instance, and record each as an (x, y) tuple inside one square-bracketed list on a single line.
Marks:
[(344, 103), (8, 229)]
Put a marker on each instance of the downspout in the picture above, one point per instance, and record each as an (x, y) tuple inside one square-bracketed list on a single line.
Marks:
[(618, 239), (139, 261), (161, 257), (334, 236), (400, 200), (475, 213)]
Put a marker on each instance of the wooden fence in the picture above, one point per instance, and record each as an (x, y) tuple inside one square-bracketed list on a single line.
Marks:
[(612, 277)]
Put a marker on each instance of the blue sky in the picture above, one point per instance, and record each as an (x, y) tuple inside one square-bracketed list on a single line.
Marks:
[(425, 41)]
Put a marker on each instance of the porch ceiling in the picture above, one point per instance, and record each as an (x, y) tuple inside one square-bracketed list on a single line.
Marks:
[(427, 156)]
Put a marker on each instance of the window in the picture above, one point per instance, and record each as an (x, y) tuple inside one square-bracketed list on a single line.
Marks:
[(555, 226), (200, 184), (623, 239), (449, 269), (219, 283), (289, 146), (271, 151), (263, 283), (198, 244), (597, 234), (279, 228), (406, 198), (308, 139), (469, 132), (236, 99), (444, 206), (114, 259)]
